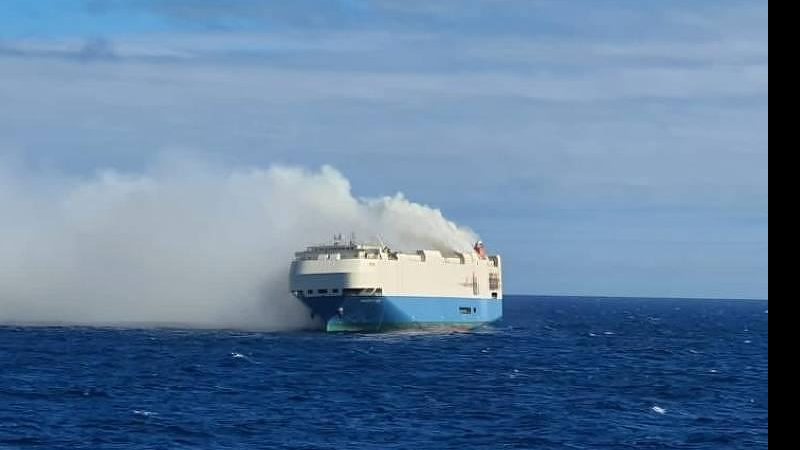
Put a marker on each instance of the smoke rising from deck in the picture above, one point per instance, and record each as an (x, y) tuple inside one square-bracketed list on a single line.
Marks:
[(184, 244)]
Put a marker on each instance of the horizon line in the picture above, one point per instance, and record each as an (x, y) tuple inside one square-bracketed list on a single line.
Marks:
[(636, 297)]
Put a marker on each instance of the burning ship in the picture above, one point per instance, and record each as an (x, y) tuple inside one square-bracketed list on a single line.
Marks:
[(370, 288)]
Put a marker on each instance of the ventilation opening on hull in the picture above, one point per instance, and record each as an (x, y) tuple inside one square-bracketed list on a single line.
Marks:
[(494, 294), (465, 310), (494, 281)]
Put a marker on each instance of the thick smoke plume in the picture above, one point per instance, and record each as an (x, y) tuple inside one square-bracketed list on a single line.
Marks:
[(184, 244)]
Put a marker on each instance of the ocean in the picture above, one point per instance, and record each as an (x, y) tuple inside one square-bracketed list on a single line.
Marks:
[(557, 373)]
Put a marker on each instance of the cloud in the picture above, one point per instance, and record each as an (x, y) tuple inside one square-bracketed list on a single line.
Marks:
[(514, 110), (606, 82), (96, 49)]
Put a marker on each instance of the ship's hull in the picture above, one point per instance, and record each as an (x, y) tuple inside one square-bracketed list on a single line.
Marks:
[(383, 313)]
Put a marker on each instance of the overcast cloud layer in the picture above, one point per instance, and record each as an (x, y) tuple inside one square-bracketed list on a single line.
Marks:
[(620, 150)]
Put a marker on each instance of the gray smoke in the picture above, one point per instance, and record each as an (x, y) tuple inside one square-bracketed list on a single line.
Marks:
[(184, 244)]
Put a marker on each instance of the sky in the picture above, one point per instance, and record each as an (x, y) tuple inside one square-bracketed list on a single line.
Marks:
[(615, 148)]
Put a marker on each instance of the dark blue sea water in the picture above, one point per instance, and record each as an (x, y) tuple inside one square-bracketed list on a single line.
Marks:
[(572, 373)]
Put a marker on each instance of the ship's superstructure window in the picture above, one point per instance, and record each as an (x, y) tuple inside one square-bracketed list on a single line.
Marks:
[(322, 291), (310, 291), (335, 291)]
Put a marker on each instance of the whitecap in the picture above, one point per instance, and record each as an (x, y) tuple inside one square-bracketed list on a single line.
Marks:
[(658, 409), (141, 412), (236, 355)]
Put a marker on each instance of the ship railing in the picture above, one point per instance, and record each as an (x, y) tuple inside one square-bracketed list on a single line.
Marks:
[(362, 292)]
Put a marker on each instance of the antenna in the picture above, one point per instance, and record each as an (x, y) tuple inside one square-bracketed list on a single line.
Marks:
[(352, 237)]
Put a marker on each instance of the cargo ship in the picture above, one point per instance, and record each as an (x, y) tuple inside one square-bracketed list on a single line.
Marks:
[(356, 287)]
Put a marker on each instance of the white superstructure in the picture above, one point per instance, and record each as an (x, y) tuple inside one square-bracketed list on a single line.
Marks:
[(344, 269)]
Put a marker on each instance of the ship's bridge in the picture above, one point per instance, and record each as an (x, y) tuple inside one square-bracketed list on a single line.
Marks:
[(338, 252), (338, 269), (344, 251)]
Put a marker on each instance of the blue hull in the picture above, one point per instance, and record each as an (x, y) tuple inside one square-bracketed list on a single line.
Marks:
[(382, 313)]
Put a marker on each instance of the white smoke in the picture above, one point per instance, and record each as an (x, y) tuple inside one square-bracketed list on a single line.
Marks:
[(184, 244)]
